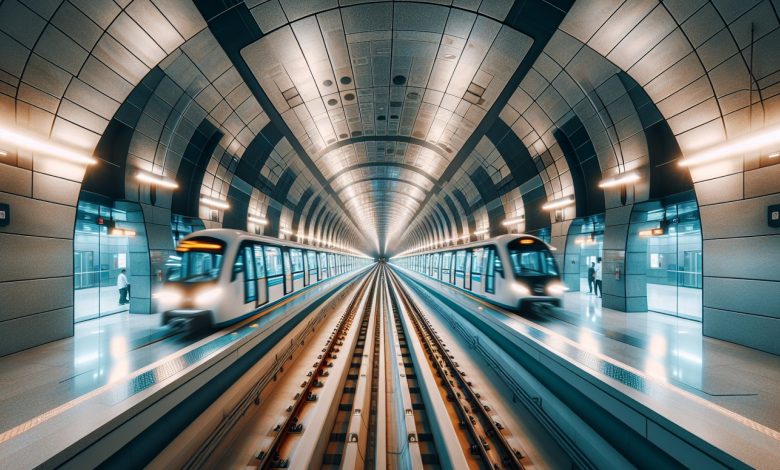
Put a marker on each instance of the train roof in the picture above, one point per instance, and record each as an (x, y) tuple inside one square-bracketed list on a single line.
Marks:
[(233, 235), (500, 239)]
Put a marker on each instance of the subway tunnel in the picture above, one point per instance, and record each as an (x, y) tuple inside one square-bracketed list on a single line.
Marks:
[(634, 144)]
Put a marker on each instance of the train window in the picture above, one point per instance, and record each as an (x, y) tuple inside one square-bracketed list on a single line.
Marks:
[(273, 261), (200, 260), (531, 259), (460, 260), (250, 280), (238, 265), (476, 262), (446, 260), (296, 259), (490, 269), (312, 258), (259, 262)]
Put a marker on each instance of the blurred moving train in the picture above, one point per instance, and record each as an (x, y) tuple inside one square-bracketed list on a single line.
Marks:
[(512, 271), (220, 276)]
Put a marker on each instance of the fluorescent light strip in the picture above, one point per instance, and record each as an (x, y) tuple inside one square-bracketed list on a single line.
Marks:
[(513, 220), (41, 146), (481, 232), (621, 179), (215, 203), (156, 180), (257, 220), (286, 231), (558, 203), (735, 147)]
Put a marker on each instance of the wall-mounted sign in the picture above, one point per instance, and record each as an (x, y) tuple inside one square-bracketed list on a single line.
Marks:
[(5, 215), (773, 215)]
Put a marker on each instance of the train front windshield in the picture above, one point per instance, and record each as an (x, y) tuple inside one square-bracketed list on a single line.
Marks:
[(200, 260), (531, 257)]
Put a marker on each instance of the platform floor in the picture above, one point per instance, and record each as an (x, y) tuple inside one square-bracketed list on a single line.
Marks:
[(673, 350), (101, 351)]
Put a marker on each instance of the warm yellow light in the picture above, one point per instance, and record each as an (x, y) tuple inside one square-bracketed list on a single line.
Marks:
[(527, 241), (621, 179), (156, 180), (558, 203), (774, 155), (654, 232), (257, 220), (513, 220), (40, 145), (481, 232), (736, 147), (465, 236), (119, 232), (215, 203), (190, 245), (286, 231)]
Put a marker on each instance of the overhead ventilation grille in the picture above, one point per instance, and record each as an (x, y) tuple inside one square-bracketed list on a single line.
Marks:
[(293, 98), (474, 94)]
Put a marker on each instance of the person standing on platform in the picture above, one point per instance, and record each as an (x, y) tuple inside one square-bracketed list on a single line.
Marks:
[(591, 276), (599, 290), (123, 286)]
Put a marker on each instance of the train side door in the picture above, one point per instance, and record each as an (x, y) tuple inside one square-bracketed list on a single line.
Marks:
[(467, 271), (311, 258), (262, 284), (250, 276), (306, 279), (490, 270), (288, 276), (274, 272), (323, 266), (451, 266)]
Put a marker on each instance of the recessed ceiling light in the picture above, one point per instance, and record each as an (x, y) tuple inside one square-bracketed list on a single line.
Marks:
[(328, 82), (345, 80), (448, 56), (399, 80), (381, 117), (349, 97), (332, 102)]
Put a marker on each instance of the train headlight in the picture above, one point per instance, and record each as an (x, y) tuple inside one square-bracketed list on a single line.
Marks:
[(556, 288), (168, 297), (521, 289), (208, 295)]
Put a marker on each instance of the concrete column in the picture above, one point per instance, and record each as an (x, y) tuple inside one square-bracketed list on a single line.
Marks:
[(629, 292)]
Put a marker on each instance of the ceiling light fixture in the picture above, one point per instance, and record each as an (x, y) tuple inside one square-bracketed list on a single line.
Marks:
[(215, 203), (156, 180), (39, 145), (286, 231), (513, 220), (257, 220), (558, 203), (735, 147), (481, 232), (771, 155), (620, 179)]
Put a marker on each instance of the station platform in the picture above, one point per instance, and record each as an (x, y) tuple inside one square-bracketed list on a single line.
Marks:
[(654, 372), (674, 351), (60, 398)]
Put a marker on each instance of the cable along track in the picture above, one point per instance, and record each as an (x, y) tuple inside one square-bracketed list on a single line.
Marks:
[(486, 438)]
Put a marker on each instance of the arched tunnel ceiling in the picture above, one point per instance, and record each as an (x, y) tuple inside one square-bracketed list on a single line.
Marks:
[(384, 96)]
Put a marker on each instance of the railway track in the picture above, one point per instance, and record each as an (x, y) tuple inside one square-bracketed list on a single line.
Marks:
[(486, 436), (275, 456), (384, 391)]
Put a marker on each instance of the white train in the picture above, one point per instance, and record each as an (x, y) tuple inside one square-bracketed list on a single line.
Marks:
[(513, 271), (220, 276)]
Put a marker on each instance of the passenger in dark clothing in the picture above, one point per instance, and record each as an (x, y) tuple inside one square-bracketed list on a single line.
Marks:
[(591, 276)]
